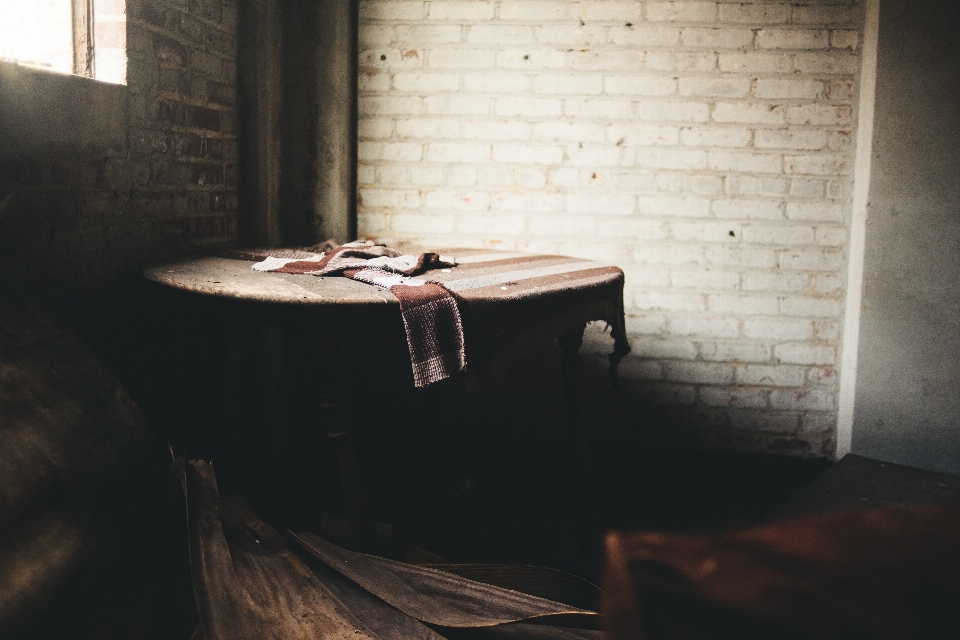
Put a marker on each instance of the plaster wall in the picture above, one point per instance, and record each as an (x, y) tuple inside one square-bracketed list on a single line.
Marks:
[(907, 407)]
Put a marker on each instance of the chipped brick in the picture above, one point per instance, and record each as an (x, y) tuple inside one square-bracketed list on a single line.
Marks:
[(170, 111), (169, 50), (220, 93), (218, 201), (187, 144), (203, 118), (206, 174)]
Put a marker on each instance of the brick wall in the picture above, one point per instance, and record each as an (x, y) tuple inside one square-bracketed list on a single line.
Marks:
[(705, 147), (77, 218)]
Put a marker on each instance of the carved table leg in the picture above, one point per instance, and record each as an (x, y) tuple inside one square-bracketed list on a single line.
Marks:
[(363, 531), (578, 461)]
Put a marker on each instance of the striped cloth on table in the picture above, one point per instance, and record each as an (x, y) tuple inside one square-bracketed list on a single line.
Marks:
[(431, 316), (485, 313)]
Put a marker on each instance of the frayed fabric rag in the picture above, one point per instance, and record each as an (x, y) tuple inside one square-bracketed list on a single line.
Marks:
[(341, 258), (431, 319), (430, 313)]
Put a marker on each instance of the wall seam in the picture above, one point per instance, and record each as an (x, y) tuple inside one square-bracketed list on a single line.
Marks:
[(858, 224)]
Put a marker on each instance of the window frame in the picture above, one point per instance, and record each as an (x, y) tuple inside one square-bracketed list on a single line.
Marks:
[(84, 58)]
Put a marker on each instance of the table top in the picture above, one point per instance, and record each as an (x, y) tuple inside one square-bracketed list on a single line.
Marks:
[(480, 273), (231, 278), (509, 301)]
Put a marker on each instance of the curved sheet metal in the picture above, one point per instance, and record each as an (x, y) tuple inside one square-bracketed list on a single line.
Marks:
[(437, 597)]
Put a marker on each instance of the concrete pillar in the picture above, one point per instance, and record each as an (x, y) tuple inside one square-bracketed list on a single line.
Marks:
[(298, 116)]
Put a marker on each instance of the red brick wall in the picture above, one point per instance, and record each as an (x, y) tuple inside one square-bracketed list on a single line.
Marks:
[(76, 221)]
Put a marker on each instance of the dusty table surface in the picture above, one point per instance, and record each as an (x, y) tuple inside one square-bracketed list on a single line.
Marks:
[(487, 274), (234, 279)]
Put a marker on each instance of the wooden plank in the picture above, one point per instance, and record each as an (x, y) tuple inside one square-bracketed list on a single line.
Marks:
[(438, 597), (247, 583), (250, 584), (83, 38)]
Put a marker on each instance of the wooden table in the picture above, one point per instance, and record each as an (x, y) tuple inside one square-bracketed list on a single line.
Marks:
[(502, 292)]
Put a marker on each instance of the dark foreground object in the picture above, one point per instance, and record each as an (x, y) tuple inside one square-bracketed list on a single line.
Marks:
[(249, 583), (79, 473), (888, 573)]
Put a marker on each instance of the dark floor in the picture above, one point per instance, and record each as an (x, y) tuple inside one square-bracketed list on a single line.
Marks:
[(522, 519), (482, 479), (513, 515), (471, 478)]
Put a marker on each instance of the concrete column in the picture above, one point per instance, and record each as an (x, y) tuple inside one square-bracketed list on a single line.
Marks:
[(260, 98), (907, 406), (298, 77)]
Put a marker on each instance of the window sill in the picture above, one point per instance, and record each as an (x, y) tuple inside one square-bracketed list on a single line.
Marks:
[(46, 112)]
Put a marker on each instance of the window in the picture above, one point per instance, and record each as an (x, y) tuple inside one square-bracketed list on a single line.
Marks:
[(83, 37)]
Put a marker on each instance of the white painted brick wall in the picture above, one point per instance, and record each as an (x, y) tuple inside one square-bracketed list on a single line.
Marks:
[(703, 146)]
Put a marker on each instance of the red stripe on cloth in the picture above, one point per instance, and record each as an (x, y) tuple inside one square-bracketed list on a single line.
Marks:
[(301, 268)]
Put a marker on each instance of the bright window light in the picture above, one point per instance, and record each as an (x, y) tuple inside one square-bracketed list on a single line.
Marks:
[(83, 37), (38, 33)]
